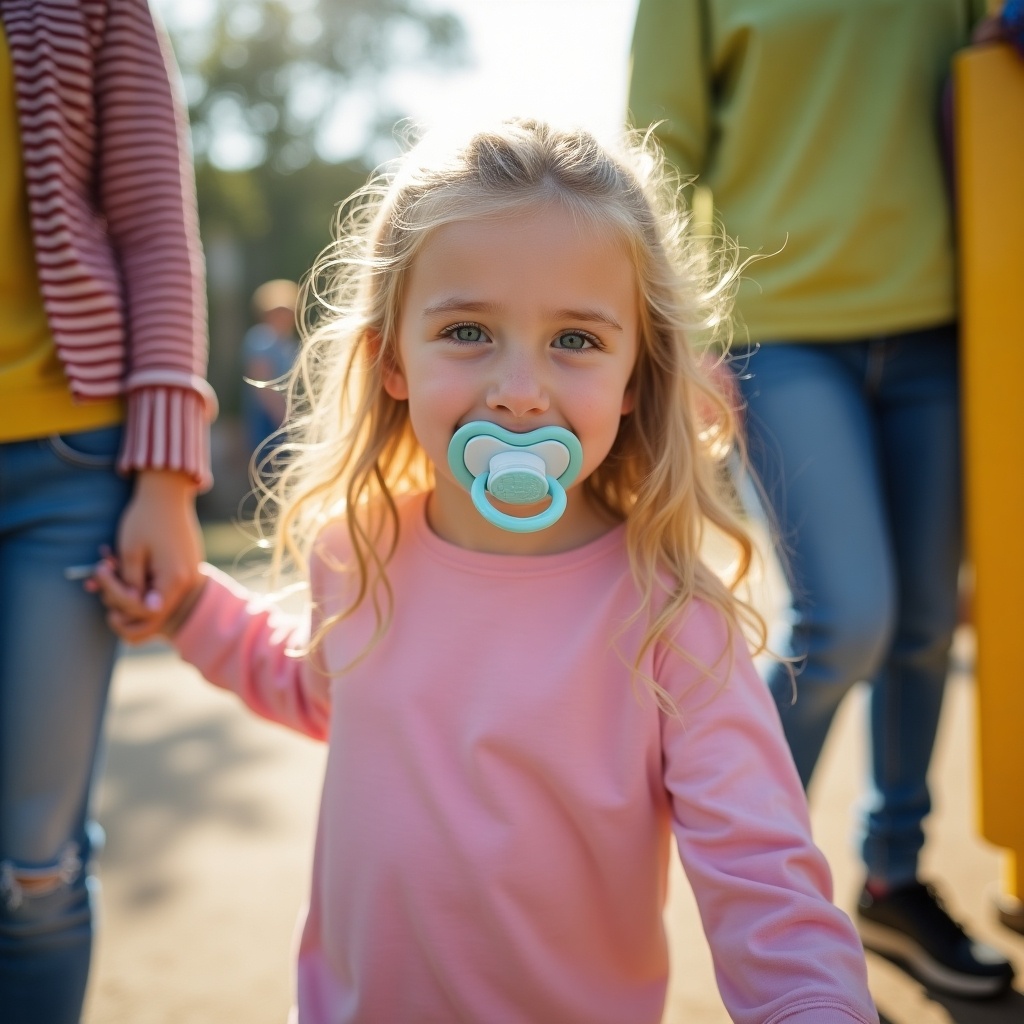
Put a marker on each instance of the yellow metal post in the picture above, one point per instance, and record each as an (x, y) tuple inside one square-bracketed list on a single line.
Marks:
[(989, 132)]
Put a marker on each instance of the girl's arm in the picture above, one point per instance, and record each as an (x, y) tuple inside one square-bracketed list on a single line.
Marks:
[(782, 951), (241, 642), (236, 639)]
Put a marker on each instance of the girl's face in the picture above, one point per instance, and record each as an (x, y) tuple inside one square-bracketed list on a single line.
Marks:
[(525, 320)]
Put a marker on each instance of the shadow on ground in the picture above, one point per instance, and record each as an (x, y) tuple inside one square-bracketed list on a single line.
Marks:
[(157, 787), (1006, 1009)]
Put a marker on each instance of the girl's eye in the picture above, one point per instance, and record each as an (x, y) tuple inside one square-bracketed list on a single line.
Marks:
[(464, 332), (574, 340)]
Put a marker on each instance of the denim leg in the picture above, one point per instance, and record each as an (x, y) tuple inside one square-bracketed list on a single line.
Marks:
[(59, 501), (918, 416), (857, 447), (814, 446)]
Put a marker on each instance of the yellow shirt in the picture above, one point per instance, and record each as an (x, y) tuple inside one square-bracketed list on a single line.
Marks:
[(35, 399)]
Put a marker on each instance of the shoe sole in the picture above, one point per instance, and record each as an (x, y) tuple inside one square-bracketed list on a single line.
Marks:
[(906, 953)]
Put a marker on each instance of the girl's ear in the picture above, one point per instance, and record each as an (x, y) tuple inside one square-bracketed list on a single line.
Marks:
[(629, 399), (392, 376), (394, 382)]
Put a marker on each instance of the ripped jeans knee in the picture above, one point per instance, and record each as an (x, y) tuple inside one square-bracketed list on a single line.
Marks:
[(19, 882), (46, 934)]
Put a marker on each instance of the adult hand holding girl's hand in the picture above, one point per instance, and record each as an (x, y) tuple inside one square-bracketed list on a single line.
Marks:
[(158, 554)]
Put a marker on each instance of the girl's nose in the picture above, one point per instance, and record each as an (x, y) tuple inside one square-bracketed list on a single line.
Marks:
[(518, 389)]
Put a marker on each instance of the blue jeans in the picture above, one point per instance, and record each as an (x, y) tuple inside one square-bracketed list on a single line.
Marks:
[(60, 499), (857, 447)]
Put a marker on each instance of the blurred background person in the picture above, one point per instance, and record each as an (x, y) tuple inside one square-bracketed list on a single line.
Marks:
[(268, 352), (104, 414), (816, 128)]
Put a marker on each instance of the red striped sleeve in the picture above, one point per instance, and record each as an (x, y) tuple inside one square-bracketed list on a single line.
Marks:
[(99, 118)]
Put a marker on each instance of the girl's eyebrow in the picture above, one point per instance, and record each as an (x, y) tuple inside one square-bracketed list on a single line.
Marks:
[(590, 316), (457, 305)]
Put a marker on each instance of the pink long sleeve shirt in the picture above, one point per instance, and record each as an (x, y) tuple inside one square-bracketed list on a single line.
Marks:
[(499, 797)]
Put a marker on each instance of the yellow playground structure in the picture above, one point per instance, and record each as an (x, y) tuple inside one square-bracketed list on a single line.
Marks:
[(989, 134)]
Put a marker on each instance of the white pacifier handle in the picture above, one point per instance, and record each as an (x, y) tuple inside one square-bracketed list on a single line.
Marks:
[(517, 477)]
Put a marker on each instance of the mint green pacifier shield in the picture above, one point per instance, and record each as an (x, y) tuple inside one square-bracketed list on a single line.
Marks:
[(518, 469)]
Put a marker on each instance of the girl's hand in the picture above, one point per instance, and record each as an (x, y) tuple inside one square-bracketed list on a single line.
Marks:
[(128, 614), (159, 548)]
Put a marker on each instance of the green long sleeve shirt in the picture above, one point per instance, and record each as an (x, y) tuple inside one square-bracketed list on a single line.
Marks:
[(816, 125)]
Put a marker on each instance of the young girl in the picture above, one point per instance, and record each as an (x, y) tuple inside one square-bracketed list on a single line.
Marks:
[(522, 708)]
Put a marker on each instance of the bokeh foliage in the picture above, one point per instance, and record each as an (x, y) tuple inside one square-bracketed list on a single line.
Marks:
[(272, 87)]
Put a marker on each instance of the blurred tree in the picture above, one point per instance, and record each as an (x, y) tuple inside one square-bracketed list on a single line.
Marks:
[(289, 109), (290, 104), (259, 224), (275, 81)]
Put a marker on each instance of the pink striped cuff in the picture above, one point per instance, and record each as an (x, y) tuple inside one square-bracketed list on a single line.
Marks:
[(167, 428)]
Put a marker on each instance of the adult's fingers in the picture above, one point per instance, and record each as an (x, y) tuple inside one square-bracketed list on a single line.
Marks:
[(132, 560)]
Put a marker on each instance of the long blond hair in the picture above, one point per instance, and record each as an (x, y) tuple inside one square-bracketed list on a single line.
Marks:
[(351, 447)]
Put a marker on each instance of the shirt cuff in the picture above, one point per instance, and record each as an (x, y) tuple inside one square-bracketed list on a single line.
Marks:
[(168, 427)]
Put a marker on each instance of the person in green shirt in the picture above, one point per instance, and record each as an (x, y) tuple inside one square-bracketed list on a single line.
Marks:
[(815, 124)]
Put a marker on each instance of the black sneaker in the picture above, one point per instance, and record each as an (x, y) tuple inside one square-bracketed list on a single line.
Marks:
[(911, 927)]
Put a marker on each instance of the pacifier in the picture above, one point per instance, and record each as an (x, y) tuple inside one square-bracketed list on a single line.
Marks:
[(518, 469)]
